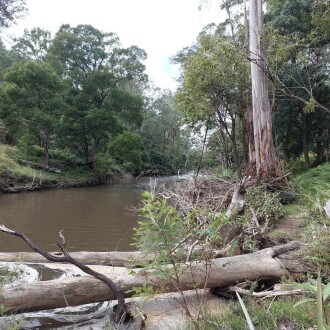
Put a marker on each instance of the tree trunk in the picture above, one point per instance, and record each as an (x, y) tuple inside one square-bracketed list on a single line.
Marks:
[(304, 139), (320, 153), (215, 273), (266, 163), (245, 129), (235, 151), (45, 141), (117, 259), (251, 167)]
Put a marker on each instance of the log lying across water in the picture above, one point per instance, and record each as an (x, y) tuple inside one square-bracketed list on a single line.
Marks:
[(116, 259), (86, 289)]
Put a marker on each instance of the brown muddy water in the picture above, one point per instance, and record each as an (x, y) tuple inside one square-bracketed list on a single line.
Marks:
[(100, 218), (93, 218)]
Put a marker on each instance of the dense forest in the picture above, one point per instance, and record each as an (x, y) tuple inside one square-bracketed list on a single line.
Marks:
[(80, 100)]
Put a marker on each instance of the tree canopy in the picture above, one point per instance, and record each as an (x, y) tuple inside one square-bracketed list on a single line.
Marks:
[(81, 99), (10, 10)]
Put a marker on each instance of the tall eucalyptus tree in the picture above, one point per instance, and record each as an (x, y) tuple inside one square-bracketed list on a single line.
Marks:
[(263, 162)]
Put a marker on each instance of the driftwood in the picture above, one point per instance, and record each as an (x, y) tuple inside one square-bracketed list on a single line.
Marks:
[(85, 289)]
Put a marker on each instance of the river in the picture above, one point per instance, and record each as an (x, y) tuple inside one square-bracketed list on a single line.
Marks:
[(97, 218), (100, 218)]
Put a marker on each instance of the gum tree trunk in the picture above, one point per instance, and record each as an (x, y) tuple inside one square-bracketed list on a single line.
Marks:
[(264, 164)]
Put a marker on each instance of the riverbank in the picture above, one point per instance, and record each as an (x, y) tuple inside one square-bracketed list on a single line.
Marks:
[(16, 176), (19, 175)]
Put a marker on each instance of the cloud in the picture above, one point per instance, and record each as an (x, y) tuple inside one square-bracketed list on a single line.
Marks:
[(161, 28)]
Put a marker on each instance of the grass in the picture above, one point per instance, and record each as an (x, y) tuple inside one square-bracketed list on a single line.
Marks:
[(314, 185), (17, 177), (293, 209), (267, 315)]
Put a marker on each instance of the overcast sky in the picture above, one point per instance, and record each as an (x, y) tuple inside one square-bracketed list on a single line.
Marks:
[(160, 27)]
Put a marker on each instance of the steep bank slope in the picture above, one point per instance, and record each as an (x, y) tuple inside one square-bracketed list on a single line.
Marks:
[(16, 177)]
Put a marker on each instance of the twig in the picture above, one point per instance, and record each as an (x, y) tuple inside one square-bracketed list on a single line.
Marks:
[(264, 294), (191, 250), (186, 238)]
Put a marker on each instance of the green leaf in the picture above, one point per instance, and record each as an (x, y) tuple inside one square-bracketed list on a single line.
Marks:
[(304, 301), (326, 292), (247, 316), (303, 286), (319, 304)]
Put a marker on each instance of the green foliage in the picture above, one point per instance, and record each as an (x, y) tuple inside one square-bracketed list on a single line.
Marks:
[(33, 44), (280, 236), (317, 254), (266, 315), (7, 58), (96, 70), (297, 53), (126, 149), (30, 101), (128, 107), (215, 91), (314, 185), (157, 231), (213, 73), (65, 98), (266, 205), (162, 232), (9, 274), (146, 291), (16, 176), (246, 313), (226, 175), (64, 159), (319, 294), (106, 167), (166, 142), (310, 105)]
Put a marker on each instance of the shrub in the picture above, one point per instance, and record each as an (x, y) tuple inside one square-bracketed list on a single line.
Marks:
[(266, 205)]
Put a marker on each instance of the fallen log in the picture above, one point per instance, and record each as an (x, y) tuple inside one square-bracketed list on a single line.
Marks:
[(85, 289), (116, 259), (40, 166)]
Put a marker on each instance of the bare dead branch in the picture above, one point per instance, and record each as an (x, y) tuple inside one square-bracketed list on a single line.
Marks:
[(264, 294)]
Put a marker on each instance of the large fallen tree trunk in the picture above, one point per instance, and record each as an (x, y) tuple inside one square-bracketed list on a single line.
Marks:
[(117, 259), (216, 273)]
